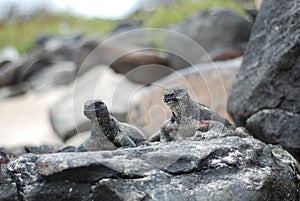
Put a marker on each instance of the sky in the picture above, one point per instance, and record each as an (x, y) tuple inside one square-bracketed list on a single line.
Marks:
[(112, 9)]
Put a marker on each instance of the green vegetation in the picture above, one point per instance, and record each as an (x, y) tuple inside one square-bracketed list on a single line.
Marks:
[(166, 15), (22, 34)]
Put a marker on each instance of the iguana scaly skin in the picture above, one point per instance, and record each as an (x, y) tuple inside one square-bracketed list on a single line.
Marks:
[(107, 132), (188, 116)]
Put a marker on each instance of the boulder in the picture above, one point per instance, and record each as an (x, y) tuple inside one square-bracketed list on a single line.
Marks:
[(86, 48), (56, 74), (8, 189), (51, 51), (7, 73), (8, 58), (208, 84), (141, 64), (13, 90), (100, 82), (268, 84), (61, 47), (221, 168), (215, 31)]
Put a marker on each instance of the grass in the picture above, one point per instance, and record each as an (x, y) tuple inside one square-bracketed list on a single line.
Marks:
[(22, 34), (165, 15)]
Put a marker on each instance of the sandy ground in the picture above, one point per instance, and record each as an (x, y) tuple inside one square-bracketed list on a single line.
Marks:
[(24, 120)]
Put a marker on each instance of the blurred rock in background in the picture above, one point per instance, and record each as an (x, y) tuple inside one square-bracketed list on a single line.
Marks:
[(120, 66)]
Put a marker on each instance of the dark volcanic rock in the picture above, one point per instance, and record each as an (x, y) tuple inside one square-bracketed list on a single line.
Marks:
[(268, 84), (8, 59), (59, 73), (8, 190), (277, 126), (7, 73), (217, 31), (227, 168), (138, 62)]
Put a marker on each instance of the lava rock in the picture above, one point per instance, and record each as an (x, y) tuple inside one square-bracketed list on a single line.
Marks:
[(8, 189), (217, 31), (66, 115), (208, 84), (62, 48), (277, 126), (220, 168), (8, 59), (268, 83), (52, 51), (83, 58), (143, 66), (7, 73), (56, 74), (136, 61)]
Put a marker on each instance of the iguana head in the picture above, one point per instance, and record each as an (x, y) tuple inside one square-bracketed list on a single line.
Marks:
[(95, 109), (175, 96)]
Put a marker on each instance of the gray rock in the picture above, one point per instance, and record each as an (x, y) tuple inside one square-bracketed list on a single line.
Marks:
[(221, 168), (8, 190), (84, 62), (56, 74), (51, 51), (215, 30), (8, 59), (268, 83), (138, 62), (13, 90), (62, 47), (208, 84), (277, 126), (101, 82), (7, 73)]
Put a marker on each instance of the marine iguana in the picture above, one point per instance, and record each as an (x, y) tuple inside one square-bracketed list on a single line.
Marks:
[(187, 117), (107, 132)]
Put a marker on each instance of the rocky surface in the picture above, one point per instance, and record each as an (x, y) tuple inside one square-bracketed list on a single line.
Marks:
[(8, 59), (100, 82), (217, 31), (124, 54), (49, 64), (8, 189), (208, 84), (266, 94), (56, 74), (220, 168)]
